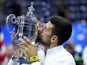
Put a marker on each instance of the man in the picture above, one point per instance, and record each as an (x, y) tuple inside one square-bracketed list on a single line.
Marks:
[(52, 35)]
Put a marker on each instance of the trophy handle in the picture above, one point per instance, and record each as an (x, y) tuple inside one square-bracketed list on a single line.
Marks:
[(10, 21)]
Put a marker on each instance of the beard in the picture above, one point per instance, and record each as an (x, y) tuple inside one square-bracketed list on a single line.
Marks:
[(39, 39)]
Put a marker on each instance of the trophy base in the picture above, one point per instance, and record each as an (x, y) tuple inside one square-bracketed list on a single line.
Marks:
[(20, 60)]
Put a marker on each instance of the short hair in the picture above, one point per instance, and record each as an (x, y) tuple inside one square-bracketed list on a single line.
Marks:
[(62, 28)]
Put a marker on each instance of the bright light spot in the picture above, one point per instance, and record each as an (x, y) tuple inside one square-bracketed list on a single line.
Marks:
[(78, 48), (80, 37)]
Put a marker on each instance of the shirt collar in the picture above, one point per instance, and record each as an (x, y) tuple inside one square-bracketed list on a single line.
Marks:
[(54, 50)]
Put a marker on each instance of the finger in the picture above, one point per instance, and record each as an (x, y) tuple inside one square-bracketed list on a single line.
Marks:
[(37, 24), (26, 40), (16, 47), (22, 41), (28, 43), (23, 47), (24, 50), (16, 53), (24, 53)]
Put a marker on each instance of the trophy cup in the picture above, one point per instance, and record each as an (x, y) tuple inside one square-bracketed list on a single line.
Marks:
[(25, 26)]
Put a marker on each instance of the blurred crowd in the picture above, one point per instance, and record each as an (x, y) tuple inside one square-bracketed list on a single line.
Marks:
[(74, 10)]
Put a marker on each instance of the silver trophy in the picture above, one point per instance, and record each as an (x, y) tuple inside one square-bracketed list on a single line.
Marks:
[(24, 25)]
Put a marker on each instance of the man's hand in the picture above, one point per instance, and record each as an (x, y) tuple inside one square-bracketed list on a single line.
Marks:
[(27, 48), (36, 30)]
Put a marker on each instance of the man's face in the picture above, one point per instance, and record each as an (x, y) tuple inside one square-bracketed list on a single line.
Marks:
[(45, 34)]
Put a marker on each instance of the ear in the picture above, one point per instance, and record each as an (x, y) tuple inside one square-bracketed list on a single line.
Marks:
[(54, 39)]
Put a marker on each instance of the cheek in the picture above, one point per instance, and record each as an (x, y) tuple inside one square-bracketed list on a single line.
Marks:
[(46, 37), (46, 33)]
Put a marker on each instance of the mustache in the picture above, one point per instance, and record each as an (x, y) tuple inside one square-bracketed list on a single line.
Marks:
[(38, 39)]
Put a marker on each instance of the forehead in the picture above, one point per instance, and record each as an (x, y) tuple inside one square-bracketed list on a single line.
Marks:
[(49, 25)]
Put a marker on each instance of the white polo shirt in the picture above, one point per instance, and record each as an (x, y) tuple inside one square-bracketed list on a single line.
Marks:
[(54, 56)]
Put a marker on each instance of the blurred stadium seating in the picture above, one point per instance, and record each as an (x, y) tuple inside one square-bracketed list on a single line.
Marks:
[(77, 10)]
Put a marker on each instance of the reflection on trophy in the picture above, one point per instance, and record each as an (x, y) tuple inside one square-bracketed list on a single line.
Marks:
[(25, 25)]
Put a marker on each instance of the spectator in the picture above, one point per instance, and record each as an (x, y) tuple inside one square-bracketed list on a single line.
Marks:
[(62, 9)]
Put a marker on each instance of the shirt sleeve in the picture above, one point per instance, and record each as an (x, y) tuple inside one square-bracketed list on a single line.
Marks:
[(65, 61), (36, 63), (11, 62)]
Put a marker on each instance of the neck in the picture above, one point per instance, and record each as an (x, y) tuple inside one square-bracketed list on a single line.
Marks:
[(50, 46)]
